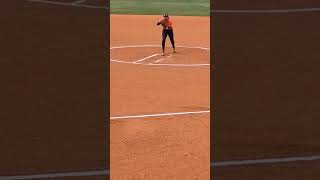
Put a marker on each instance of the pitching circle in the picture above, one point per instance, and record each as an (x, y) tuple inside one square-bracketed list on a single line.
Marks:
[(153, 64)]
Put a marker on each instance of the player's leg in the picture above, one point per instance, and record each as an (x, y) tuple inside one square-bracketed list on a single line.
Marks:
[(172, 40), (164, 37)]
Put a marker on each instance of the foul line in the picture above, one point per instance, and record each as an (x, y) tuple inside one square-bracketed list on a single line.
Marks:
[(265, 11), (264, 161), (56, 175), (159, 115), (69, 4), (153, 55)]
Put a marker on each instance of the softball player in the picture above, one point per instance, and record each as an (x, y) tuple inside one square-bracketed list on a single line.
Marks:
[(167, 30)]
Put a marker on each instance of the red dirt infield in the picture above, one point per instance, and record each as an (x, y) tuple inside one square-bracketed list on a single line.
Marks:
[(160, 147)]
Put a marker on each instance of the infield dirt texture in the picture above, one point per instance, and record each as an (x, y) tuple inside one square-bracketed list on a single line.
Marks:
[(166, 145)]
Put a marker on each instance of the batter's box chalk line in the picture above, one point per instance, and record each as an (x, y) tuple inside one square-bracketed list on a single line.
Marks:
[(155, 63)]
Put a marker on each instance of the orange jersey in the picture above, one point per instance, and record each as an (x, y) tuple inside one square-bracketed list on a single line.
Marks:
[(166, 23)]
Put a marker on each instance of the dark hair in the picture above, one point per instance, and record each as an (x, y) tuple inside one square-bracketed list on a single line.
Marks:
[(166, 15)]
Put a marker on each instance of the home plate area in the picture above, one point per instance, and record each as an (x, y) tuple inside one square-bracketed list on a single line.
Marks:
[(151, 55)]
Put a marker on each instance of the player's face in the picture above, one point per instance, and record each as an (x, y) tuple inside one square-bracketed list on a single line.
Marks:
[(166, 18)]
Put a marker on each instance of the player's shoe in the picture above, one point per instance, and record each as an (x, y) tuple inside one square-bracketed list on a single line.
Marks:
[(174, 51), (162, 54)]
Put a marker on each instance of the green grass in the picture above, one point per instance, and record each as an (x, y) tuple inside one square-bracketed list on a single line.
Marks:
[(159, 7)]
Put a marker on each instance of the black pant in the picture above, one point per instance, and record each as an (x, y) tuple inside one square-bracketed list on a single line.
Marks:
[(166, 32)]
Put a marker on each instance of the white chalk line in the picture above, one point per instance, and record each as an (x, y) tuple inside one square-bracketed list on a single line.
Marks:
[(158, 115), (162, 59), (69, 4), (155, 63), (264, 161), (125, 62), (152, 45), (162, 64), (79, 1), (145, 58), (265, 11), (178, 65), (56, 175)]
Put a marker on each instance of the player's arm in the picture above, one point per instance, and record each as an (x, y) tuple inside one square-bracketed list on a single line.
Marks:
[(160, 22)]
